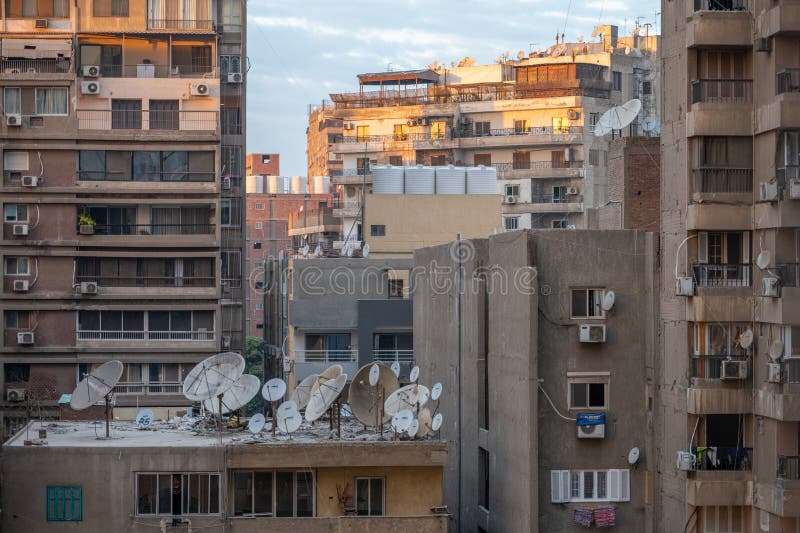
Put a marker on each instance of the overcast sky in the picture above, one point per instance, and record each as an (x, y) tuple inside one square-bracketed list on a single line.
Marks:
[(301, 50)]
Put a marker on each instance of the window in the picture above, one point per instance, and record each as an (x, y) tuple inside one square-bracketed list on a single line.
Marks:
[(230, 118), (175, 494), (559, 224), (616, 80), (587, 395), (229, 212), (15, 213), (520, 126), (594, 156), (438, 160), (41, 8), (587, 303), (483, 478), (164, 115), (369, 496), (256, 246), (521, 161), (559, 194), (438, 129), (231, 264), (483, 129), (230, 64), (12, 100), (362, 134), (723, 259), (259, 307), (110, 8), (512, 190), (51, 101), (16, 266), (336, 346), (720, 519), (126, 114), (259, 207), (377, 230), (483, 159), (388, 346), (647, 87), (362, 163), (259, 225), (593, 118), (232, 161), (64, 504), (17, 319), (396, 287), (15, 160), (589, 486), (561, 125), (253, 493), (511, 223), (400, 132), (396, 160)]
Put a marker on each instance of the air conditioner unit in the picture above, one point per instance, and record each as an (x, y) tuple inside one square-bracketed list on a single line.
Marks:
[(592, 333), (24, 337), (234, 77), (774, 372), (226, 341), (734, 370), (21, 285), (684, 286), (91, 71), (14, 120), (572, 190), (764, 44), (20, 229), (510, 199), (226, 184), (90, 87), (771, 286), (349, 126), (15, 395), (592, 432), (769, 191), (686, 461), (200, 89), (572, 114), (422, 121), (30, 181), (794, 189), (41, 24), (89, 287)]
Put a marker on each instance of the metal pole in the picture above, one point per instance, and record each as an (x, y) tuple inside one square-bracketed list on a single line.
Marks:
[(108, 403), (458, 371), (364, 188)]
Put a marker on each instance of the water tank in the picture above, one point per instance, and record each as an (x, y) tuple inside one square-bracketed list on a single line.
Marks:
[(298, 185), (481, 180), (451, 180), (321, 185), (276, 185), (387, 180), (420, 180)]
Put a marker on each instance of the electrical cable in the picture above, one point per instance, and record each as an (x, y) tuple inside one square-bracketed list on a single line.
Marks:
[(550, 401)]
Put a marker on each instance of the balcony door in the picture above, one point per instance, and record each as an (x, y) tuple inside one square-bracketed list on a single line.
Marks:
[(724, 258), (331, 346), (126, 114)]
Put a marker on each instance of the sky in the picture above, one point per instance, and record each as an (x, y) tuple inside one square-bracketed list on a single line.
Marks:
[(302, 50)]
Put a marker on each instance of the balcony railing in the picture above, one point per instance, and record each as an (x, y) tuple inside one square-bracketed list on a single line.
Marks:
[(722, 275), (325, 356), (722, 458), (154, 229), (723, 180), (787, 81), (788, 467), (789, 172), (351, 139), (504, 168), (180, 24), (107, 119), (144, 388), (35, 66), (710, 366), (91, 175), (148, 281), (390, 356), (532, 130), (550, 199), (721, 5), (789, 274), (722, 91), (103, 335), (151, 70), (791, 370)]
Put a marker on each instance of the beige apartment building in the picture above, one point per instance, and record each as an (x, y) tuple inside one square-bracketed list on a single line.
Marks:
[(729, 372), (121, 137), (530, 117)]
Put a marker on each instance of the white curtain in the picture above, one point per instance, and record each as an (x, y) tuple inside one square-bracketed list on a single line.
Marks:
[(12, 100), (51, 101)]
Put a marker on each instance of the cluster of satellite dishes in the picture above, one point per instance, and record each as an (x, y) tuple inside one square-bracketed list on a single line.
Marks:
[(347, 250)]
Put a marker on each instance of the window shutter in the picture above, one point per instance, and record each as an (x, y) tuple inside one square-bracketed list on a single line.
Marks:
[(746, 247), (619, 489), (559, 486), (702, 247), (612, 480), (566, 485)]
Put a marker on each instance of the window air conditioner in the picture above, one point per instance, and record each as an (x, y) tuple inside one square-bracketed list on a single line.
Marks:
[(15, 395), (572, 191), (89, 287), (771, 286), (734, 370), (226, 184), (234, 77), (30, 181), (769, 191), (774, 372), (349, 126), (14, 120), (21, 285), (91, 71), (684, 286), (24, 337), (511, 199), (90, 87), (591, 425), (794, 189), (20, 229), (200, 89), (592, 333), (572, 114), (764, 44)]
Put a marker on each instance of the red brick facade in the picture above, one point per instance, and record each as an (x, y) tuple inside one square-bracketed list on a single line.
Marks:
[(263, 164)]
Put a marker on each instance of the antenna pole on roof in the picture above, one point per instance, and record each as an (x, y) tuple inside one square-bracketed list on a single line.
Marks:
[(108, 404)]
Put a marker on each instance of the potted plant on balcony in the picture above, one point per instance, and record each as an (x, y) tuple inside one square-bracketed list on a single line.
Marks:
[(86, 224)]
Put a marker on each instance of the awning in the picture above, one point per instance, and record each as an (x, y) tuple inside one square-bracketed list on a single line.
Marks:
[(404, 77), (36, 48)]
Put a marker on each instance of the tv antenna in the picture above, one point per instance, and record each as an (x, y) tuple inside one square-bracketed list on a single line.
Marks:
[(96, 386), (608, 300)]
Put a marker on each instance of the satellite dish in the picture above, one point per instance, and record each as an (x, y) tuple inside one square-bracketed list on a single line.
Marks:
[(350, 250), (374, 374), (302, 392), (366, 399), (436, 391), (413, 428), (96, 385), (317, 251), (402, 420), (407, 397), (365, 250), (414, 375), (274, 390), (633, 456), (287, 407), (236, 396), (144, 418), (776, 349), (746, 338), (324, 396), (256, 423), (396, 368), (213, 376), (618, 117), (304, 250), (424, 419), (328, 374), (436, 423), (649, 124), (289, 418), (608, 300), (763, 259)]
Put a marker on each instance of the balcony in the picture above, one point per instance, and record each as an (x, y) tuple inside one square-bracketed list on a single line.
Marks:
[(722, 91), (511, 137), (312, 221), (710, 366), (783, 111), (722, 458), (201, 335), (782, 17), (539, 169), (722, 275), (154, 229), (307, 362), (163, 123), (354, 144), (351, 176), (435, 140), (150, 70), (142, 388), (722, 5), (546, 203), (788, 467), (148, 282), (720, 183), (180, 25), (719, 23), (720, 107), (347, 209), (35, 69)]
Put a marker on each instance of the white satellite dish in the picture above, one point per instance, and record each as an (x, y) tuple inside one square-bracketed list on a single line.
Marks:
[(236, 396), (350, 249), (424, 419), (96, 386), (618, 117), (608, 300), (776, 349), (317, 251), (289, 418), (407, 397), (328, 374), (401, 420), (763, 259), (365, 250), (256, 423), (324, 396), (396, 368), (144, 418), (286, 408), (213, 376), (374, 374), (649, 124), (304, 250), (413, 428), (414, 375), (436, 391), (746, 338), (633, 456), (274, 390), (302, 392), (436, 423)]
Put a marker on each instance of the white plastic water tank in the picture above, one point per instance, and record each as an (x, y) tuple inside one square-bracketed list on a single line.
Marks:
[(252, 184), (276, 185), (481, 180), (298, 185), (387, 180), (451, 180), (420, 180), (321, 185)]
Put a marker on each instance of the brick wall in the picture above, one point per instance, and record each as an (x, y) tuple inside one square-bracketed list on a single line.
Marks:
[(263, 164)]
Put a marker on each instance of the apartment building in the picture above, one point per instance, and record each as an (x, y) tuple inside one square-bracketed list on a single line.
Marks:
[(728, 409), (531, 118), (122, 135), (548, 387)]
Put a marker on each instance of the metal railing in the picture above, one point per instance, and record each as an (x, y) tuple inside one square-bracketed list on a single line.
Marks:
[(532, 130), (103, 335), (503, 168), (791, 370), (723, 180), (722, 91), (179, 24), (35, 66), (722, 5), (355, 139), (152, 70), (148, 281), (723, 458), (390, 356), (107, 119), (787, 81), (154, 229), (789, 274), (710, 366), (325, 356), (789, 173), (142, 387), (550, 199), (722, 275), (788, 467), (91, 175)]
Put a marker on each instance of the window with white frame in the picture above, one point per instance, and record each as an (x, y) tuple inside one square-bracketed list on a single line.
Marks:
[(15, 213), (259, 207), (369, 496), (12, 100), (273, 493), (259, 225), (590, 486), (259, 307), (512, 190), (511, 223), (176, 494), (16, 266), (587, 391), (15, 161), (51, 101), (722, 519), (587, 303)]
